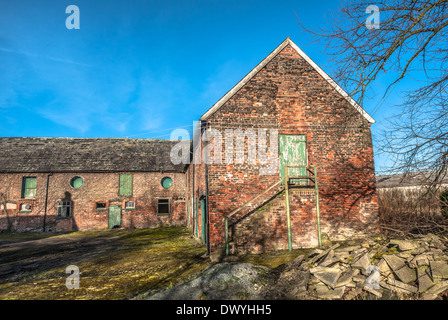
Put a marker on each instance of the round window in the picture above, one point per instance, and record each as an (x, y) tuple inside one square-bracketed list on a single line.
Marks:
[(167, 182), (76, 182)]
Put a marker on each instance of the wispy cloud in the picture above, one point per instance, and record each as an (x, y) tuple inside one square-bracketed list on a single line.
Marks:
[(45, 57)]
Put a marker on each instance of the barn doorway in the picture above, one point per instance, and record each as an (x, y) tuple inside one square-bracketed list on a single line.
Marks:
[(114, 216)]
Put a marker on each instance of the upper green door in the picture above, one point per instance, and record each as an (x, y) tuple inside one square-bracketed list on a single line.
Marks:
[(114, 216), (293, 152)]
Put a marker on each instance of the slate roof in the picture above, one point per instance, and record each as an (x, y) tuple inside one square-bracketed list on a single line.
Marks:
[(86, 155)]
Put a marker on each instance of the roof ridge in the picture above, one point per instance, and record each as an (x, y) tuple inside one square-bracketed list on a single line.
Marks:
[(265, 61)]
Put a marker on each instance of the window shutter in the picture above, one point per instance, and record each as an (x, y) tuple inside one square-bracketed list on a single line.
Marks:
[(125, 184)]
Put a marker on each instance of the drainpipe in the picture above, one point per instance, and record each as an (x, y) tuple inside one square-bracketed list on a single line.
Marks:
[(46, 200)]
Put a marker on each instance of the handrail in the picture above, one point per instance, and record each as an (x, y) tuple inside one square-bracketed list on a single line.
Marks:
[(226, 218), (254, 198), (286, 177)]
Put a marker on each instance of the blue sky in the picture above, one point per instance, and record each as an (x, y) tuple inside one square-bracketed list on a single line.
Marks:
[(137, 68)]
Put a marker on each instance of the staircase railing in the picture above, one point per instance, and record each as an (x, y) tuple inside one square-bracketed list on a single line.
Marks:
[(311, 175)]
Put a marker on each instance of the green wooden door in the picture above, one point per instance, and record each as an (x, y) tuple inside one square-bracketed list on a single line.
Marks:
[(114, 216), (293, 153)]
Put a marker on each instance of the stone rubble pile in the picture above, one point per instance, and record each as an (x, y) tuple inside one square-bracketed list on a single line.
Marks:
[(396, 269)]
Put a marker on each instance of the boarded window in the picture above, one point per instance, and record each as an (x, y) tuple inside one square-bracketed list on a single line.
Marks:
[(125, 185), (163, 206), (64, 209), (28, 187)]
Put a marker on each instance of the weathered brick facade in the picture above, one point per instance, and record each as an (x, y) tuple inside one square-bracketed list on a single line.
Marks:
[(285, 95), (288, 94), (97, 187), (36, 156)]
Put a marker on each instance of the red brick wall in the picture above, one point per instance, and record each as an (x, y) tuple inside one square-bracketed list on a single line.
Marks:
[(289, 95), (196, 189), (96, 187)]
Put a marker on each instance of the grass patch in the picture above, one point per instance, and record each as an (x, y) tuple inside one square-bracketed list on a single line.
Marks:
[(114, 264)]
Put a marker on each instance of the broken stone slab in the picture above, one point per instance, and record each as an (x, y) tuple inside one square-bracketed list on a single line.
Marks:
[(419, 261), (419, 250), (348, 249), (376, 292), (394, 262), (424, 280), (406, 274), (400, 269), (345, 279), (435, 290), (322, 291), (405, 245), (439, 270), (402, 285), (362, 263), (329, 256), (330, 262), (393, 288), (359, 278), (384, 268), (322, 254), (329, 276), (405, 255)]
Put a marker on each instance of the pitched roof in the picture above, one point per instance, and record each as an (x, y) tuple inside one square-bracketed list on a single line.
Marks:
[(86, 155), (265, 61)]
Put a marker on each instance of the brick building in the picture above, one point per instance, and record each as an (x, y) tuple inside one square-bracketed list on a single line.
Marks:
[(289, 98), (64, 184), (285, 112)]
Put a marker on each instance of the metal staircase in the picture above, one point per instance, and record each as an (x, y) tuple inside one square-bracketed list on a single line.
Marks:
[(309, 173)]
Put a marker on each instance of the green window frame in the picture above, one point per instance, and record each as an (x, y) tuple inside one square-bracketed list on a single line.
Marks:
[(28, 187), (126, 185)]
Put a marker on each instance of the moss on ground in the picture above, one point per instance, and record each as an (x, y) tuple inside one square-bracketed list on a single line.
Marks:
[(273, 259), (119, 265)]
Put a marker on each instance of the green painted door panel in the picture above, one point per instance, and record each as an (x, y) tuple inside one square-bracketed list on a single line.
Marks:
[(126, 185), (293, 152), (114, 216)]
